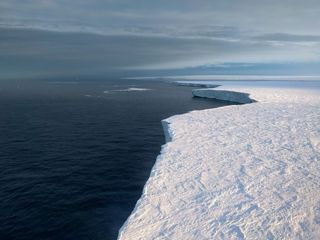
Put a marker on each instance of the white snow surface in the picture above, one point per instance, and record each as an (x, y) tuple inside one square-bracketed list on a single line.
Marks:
[(238, 172)]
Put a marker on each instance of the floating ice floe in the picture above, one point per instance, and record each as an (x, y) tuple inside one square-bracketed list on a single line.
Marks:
[(133, 89), (238, 172)]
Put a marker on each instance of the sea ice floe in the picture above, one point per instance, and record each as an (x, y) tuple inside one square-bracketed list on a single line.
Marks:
[(133, 89)]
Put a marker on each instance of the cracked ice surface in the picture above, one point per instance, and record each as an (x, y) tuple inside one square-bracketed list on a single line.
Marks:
[(237, 172)]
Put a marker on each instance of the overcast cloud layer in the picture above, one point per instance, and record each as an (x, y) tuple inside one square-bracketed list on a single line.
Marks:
[(126, 35)]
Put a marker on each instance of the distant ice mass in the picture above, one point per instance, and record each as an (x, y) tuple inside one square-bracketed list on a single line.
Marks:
[(196, 84), (231, 96), (238, 172), (233, 77), (133, 89), (130, 89)]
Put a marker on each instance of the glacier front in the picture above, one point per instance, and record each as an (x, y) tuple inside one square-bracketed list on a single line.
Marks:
[(238, 172)]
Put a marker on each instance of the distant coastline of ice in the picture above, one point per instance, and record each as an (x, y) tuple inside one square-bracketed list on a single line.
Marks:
[(238, 172), (233, 77)]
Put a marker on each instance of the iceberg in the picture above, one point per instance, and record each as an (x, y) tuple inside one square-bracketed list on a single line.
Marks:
[(248, 171)]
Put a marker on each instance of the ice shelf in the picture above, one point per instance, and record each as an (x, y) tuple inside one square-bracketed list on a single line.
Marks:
[(247, 171)]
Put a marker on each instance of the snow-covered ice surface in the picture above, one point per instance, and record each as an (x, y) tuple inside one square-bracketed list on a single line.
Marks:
[(238, 172)]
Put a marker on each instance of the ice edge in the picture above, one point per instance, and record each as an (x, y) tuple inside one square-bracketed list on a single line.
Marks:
[(284, 101), (231, 96), (168, 138), (168, 133)]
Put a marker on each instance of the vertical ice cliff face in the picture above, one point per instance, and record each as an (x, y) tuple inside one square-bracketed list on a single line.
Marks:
[(239, 172), (232, 96), (166, 130)]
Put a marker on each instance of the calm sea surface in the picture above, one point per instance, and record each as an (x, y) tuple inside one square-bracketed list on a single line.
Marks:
[(74, 156)]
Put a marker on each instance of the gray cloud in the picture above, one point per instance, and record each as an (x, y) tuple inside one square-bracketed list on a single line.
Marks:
[(290, 16), (38, 51), (119, 35), (285, 37)]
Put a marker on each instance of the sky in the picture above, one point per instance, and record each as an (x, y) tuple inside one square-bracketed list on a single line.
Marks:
[(42, 38)]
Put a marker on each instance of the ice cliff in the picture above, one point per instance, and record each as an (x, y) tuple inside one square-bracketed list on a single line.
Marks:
[(247, 171)]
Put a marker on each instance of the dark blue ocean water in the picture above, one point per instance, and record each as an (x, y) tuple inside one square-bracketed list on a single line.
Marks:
[(73, 159)]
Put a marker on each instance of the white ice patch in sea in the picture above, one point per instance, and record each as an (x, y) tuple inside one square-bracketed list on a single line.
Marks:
[(133, 89), (238, 172)]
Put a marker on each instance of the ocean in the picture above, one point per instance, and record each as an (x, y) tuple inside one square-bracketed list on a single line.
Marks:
[(75, 155)]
